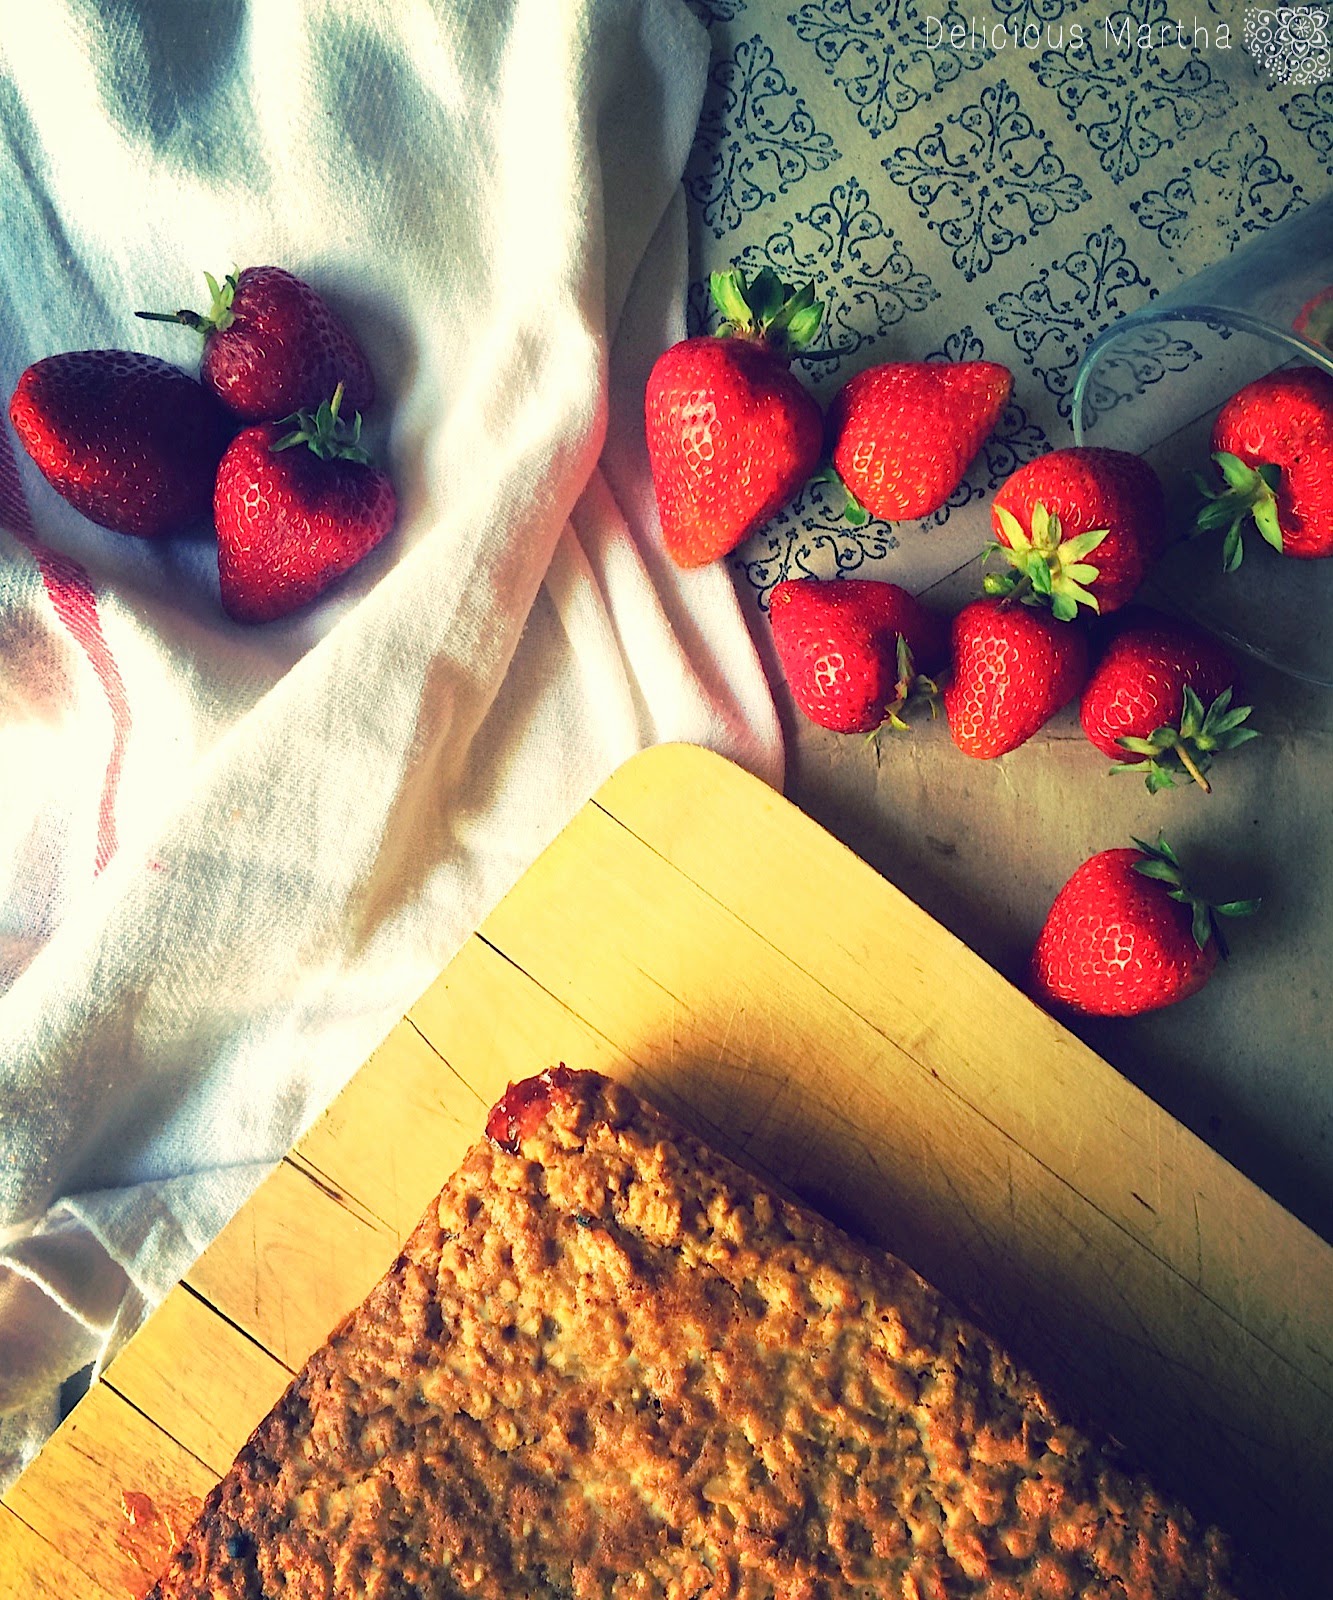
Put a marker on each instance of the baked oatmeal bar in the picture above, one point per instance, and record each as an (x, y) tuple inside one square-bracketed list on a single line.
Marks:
[(608, 1364)]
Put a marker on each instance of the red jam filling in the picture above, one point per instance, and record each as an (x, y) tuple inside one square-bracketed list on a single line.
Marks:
[(519, 1113)]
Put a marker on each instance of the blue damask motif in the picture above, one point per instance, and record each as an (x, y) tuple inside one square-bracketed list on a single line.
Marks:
[(1312, 115), (880, 54), (985, 179), (1055, 315), (811, 539), (1016, 438), (1022, 14), (1133, 364), (1130, 104), (1206, 211), (860, 270), (755, 140)]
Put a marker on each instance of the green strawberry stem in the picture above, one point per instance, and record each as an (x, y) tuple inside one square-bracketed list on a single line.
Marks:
[(853, 511), (1181, 752), (910, 689), (766, 310), (1161, 862), (1048, 569), (1193, 742), (219, 315), (1248, 493), (1006, 584), (326, 433)]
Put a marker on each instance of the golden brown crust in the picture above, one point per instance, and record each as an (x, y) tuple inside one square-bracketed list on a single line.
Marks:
[(608, 1364)]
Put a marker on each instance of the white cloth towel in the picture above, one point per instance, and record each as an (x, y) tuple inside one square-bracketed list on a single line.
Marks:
[(229, 857)]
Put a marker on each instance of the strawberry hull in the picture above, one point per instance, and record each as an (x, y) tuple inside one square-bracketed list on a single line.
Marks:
[(129, 441), (1089, 489)]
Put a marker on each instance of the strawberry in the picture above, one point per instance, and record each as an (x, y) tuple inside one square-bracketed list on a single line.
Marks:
[(851, 649), (1054, 512), (1273, 443), (732, 435), (903, 434), (1013, 668), (295, 508), (273, 346), (128, 440), (1160, 701), (1126, 935)]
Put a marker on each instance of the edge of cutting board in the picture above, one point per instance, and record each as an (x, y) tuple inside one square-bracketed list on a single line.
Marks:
[(810, 1033)]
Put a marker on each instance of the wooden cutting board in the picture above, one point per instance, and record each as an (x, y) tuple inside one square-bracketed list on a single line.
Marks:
[(695, 935)]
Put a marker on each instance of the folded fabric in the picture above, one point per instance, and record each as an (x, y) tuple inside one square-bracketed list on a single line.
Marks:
[(230, 857)]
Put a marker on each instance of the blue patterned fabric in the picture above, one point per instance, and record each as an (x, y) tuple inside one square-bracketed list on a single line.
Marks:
[(958, 188)]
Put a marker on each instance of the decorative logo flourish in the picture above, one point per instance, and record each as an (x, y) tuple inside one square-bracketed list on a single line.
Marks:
[(1289, 42)]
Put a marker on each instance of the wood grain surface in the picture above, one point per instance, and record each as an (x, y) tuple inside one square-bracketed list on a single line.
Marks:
[(694, 935)]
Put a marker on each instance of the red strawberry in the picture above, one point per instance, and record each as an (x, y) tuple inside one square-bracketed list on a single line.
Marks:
[(1273, 441), (902, 435), (851, 649), (128, 440), (1160, 701), (1013, 668), (1050, 515), (295, 509), (732, 435), (273, 346), (1126, 935)]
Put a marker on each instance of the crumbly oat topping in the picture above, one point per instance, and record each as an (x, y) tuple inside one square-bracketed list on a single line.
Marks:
[(607, 1364)]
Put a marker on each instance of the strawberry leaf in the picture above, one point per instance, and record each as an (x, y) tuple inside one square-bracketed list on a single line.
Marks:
[(765, 296), (1161, 863), (1237, 908), (1191, 716), (765, 310), (1053, 566), (1019, 543), (1265, 519), (1160, 851), (802, 328), (329, 436), (1248, 493), (1216, 514), (728, 291), (1079, 595), (1082, 544), (1163, 871), (1234, 470), (216, 319)]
